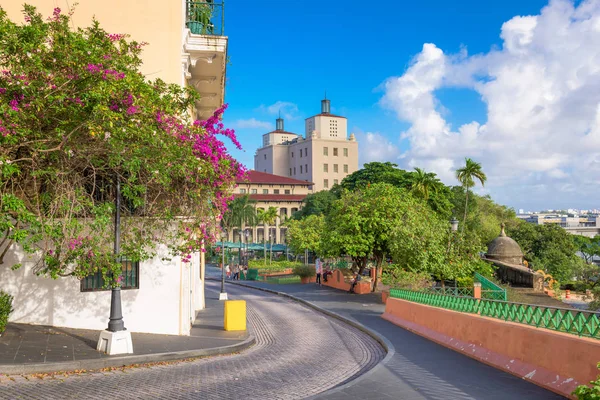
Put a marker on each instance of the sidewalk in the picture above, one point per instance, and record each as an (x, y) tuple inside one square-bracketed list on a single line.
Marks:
[(33, 348), (415, 368)]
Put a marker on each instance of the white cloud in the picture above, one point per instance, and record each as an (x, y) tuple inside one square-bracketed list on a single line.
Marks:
[(542, 92), (252, 123), (376, 147), (287, 109)]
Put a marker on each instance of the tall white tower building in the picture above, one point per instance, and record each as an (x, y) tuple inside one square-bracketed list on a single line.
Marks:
[(323, 156)]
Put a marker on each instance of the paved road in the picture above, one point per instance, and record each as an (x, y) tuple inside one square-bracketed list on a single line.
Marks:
[(299, 353), (419, 369)]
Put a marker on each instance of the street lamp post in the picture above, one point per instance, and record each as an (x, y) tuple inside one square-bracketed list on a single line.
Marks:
[(116, 339), (246, 233), (240, 249), (270, 246), (115, 322), (223, 295)]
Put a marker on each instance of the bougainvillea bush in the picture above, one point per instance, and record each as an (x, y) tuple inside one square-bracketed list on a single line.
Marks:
[(76, 115)]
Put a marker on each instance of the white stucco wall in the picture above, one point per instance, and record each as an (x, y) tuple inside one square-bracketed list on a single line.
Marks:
[(160, 305)]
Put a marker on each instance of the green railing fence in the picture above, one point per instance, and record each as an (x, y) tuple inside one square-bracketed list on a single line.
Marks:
[(489, 290), (206, 17), (453, 291), (581, 323)]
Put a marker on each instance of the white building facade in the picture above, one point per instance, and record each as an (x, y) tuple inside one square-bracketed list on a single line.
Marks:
[(163, 296)]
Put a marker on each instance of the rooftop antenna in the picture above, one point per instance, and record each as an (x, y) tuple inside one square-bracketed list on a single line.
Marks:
[(279, 122)]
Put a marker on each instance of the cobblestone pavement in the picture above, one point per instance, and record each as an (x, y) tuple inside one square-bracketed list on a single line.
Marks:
[(419, 369), (299, 353)]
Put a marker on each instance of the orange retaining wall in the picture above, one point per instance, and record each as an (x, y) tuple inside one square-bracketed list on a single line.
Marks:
[(337, 281), (557, 361)]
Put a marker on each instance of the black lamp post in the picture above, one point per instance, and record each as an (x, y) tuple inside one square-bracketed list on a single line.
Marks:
[(223, 295), (246, 245), (115, 322)]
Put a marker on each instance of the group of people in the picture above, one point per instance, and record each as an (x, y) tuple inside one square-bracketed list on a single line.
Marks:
[(323, 270), (233, 272)]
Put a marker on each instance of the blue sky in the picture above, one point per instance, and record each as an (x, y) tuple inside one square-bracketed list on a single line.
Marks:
[(292, 51)]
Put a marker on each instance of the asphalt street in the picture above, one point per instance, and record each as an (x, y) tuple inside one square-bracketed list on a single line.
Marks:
[(298, 353)]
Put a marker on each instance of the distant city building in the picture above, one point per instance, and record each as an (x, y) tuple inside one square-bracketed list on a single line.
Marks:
[(577, 224), (324, 156)]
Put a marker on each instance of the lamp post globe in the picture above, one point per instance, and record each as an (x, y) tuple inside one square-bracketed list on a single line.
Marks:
[(454, 224)]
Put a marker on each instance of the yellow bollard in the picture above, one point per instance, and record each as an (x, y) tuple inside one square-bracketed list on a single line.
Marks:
[(235, 315)]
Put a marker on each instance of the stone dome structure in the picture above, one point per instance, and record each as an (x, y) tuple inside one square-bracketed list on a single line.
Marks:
[(505, 249)]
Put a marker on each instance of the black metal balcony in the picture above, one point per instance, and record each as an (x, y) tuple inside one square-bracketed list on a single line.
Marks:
[(206, 17)]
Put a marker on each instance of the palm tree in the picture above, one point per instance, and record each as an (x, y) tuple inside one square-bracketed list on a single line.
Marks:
[(423, 183), (268, 218), (241, 212), (466, 176)]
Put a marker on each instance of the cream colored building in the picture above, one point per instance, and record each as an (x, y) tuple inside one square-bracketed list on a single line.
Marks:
[(182, 49), (324, 156), (173, 54), (268, 190)]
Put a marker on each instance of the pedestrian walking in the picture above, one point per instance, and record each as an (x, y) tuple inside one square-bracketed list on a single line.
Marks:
[(228, 271), (319, 267)]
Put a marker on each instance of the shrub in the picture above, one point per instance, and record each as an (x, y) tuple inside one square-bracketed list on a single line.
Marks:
[(395, 276), (5, 309), (584, 392), (276, 266), (304, 271)]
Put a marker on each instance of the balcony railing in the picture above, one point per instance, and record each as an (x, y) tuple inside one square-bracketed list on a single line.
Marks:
[(206, 17)]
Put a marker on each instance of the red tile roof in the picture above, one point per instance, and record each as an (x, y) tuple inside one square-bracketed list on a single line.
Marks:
[(265, 178), (273, 197)]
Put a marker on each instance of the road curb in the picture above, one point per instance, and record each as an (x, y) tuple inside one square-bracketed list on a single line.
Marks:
[(121, 361), (382, 340)]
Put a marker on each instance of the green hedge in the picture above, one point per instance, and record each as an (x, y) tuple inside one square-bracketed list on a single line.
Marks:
[(5, 309), (304, 271), (276, 266)]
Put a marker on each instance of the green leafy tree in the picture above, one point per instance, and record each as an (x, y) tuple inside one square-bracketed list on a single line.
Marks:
[(241, 212), (318, 203), (549, 248), (466, 176), (360, 223), (372, 220), (484, 216), (424, 243), (423, 183), (376, 172), (436, 194), (268, 217), (306, 234), (76, 115), (588, 247)]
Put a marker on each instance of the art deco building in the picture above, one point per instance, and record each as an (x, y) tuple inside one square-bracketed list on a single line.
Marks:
[(324, 156)]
